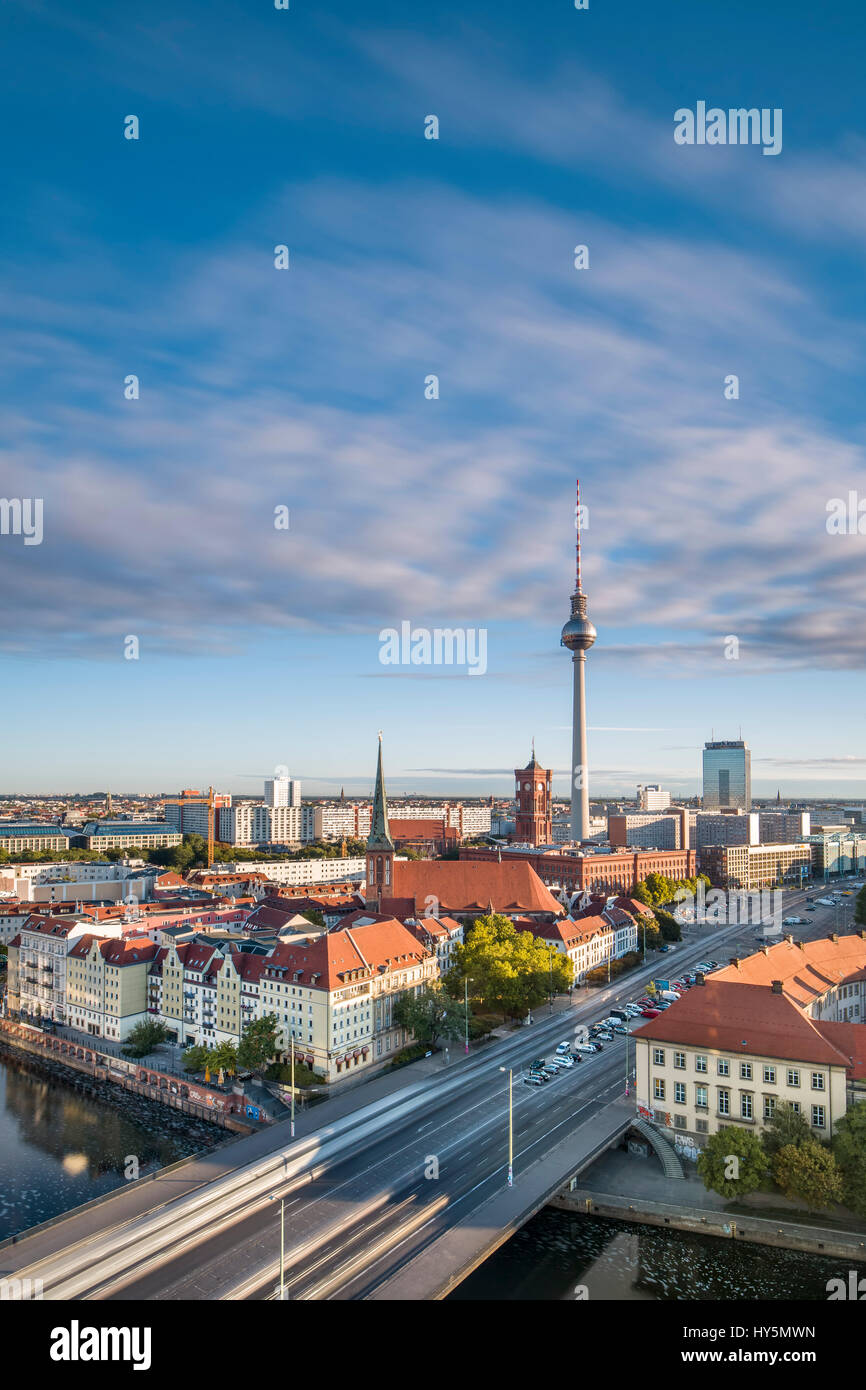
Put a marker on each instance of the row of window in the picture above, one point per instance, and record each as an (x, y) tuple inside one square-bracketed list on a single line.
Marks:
[(723, 1100), (747, 1069)]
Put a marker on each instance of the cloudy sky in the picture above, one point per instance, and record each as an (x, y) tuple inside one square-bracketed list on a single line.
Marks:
[(305, 389)]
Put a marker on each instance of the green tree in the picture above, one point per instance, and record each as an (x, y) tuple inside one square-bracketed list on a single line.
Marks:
[(430, 1015), (849, 1150), (144, 1038), (808, 1173), (860, 908), (195, 1058), (733, 1162), (224, 1057), (314, 916), (511, 971), (787, 1127), (258, 1046)]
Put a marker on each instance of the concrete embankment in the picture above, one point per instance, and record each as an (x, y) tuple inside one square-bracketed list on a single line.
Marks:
[(788, 1235)]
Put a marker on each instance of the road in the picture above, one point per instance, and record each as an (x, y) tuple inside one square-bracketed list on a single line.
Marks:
[(403, 1177)]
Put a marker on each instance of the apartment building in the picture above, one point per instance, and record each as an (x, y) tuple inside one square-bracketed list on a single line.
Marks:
[(439, 935), (333, 992), (106, 984), (613, 872), (650, 830), (302, 872), (38, 963), (841, 852), (785, 1024), (334, 820), (652, 797)]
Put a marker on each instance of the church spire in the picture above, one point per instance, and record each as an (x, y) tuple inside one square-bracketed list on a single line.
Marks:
[(380, 834)]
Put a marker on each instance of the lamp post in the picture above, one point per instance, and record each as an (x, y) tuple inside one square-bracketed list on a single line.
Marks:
[(293, 1086), (510, 1125), (466, 980), (284, 1293)]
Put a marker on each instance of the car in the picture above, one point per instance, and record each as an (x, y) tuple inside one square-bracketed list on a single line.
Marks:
[(576, 1056), (565, 1062), (532, 1081), (633, 1010), (604, 1036), (597, 1047), (539, 1062), (585, 1047), (621, 1028), (563, 1047), (651, 1013), (663, 1004)]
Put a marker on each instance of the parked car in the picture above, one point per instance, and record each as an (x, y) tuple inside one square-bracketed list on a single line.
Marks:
[(604, 1036), (596, 1047), (651, 1013), (576, 1056), (563, 1047), (586, 1047), (621, 1028), (532, 1080), (565, 1062)]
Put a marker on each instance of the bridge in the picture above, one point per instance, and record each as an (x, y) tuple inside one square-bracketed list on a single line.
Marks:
[(393, 1191)]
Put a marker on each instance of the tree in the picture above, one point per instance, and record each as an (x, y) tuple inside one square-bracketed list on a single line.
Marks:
[(733, 1162), (860, 908), (195, 1059), (430, 1015), (808, 1173), (849, 1150), (668, 925), (224, 1057), (511, 971), (144, 1038), (314, 916), (258, 1046), (786, 1127)]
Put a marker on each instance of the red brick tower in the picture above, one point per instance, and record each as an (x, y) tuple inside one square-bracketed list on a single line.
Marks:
[(534, 790)]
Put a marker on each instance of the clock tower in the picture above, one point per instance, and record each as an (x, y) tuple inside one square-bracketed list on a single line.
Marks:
[(534, 791)]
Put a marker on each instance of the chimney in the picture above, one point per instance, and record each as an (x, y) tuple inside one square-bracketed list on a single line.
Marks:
[(699, 978), (777, 986), (735, 961), (862, 932), (765, 950), (834, 936), (789, 938), (802, 945)]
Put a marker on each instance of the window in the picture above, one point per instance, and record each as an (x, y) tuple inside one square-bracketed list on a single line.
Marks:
[(818, 1116), (795, 1106), (701, 1126), (680, 1060), (746, 1071), (769, 1107), (724, 1067), (680, 1092), (701, 1097), (700, 1062), (817, 1081), (724, 1102), (793, 1076), (658, 1089), (659, 1056), (746, 1105), (679, 1122), (769, 1076)]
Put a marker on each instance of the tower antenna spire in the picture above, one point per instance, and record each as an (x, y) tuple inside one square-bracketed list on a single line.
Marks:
[(577, 544)]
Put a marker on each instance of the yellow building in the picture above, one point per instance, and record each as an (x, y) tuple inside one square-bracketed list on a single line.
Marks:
[(106, 985), (785, 1024)]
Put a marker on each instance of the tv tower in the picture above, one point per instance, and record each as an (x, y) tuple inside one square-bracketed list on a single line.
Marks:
[(578, 635)]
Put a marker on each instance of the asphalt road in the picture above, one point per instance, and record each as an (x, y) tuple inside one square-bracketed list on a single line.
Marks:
[(347, 1230)]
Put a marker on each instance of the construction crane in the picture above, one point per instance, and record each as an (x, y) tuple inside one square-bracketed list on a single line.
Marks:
[(198, 801)]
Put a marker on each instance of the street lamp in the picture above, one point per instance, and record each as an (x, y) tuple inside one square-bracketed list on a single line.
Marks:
[(293, 1085), (466, 980), (510, 1125), (284, 1292)]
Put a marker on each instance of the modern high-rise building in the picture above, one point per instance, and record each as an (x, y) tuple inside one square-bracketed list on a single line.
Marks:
[(282, 791), (578, 635), (652, 797), (727, 775)]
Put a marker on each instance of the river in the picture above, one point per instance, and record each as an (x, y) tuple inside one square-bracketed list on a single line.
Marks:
[(59, 1148), (558, 1253)]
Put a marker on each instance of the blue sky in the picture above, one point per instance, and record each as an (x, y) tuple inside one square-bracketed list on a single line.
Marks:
[(305, 389)]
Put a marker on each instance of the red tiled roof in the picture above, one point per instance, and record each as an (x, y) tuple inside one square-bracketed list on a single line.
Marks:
[(332, 955), (806, 971), (466, 885), (731, 1016)]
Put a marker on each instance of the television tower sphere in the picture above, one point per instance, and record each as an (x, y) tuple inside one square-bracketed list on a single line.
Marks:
[(578, 633)]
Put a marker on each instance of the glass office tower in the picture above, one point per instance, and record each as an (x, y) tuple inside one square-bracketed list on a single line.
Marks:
[(727, 776)]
